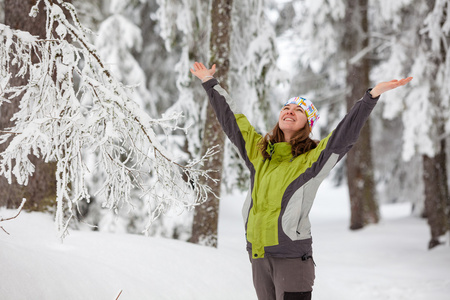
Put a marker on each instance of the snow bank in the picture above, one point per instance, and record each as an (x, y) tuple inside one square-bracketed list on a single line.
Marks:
[(385, 261)]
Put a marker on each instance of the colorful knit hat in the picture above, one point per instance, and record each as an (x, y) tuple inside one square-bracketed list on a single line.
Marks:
[(308, 107)]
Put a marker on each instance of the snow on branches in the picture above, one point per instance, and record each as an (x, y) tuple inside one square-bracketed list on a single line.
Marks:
[(70, 107)]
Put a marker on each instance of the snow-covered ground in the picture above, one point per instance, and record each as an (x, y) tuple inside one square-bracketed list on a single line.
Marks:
[(386, 261)]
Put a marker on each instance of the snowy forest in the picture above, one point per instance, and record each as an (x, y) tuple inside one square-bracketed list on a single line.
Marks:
[(104, 127), (115, 175)]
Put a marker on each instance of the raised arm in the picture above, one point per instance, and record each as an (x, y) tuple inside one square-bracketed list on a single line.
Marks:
[(333, 148), (235, 125), (387, 86), (348, 130)]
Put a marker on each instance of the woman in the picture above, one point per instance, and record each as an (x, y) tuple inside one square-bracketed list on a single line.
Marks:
[(286, 169)]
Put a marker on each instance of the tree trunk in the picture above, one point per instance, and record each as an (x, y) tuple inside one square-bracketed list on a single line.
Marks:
[(41, 189), (361, 183), (436, 196), (206, 216), (437, 200)]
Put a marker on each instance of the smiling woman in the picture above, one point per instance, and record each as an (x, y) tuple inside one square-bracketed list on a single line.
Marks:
[(286, 168)]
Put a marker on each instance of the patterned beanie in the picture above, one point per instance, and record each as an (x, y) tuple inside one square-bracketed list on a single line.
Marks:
[(308, 107)]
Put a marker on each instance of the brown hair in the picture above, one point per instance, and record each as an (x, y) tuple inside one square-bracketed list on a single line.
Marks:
[(300, 142)]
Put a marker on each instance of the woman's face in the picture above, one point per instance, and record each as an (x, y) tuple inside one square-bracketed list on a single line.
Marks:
[(292, 118)]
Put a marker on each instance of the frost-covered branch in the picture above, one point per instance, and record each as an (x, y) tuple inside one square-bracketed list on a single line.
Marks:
[(72, 106)]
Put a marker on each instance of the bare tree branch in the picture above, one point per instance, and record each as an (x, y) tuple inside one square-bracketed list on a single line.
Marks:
[(11, 218)]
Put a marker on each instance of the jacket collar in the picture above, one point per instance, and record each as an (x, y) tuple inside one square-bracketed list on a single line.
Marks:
[(279, 151)]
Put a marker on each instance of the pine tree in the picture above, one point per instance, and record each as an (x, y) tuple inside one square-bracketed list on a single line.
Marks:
[(360, 176), (41, 189), (437, 197), (183, 27), (419, 48), (253, 77), (206, 217)]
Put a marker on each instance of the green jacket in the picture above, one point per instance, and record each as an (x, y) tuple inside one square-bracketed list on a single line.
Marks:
[(283, 189)]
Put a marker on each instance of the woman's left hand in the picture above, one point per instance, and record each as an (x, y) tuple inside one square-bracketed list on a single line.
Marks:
[(387, 86)]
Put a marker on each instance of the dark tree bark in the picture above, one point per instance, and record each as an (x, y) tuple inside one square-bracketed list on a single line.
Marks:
[(361, 183), (41, 189), (436, 196), (206, 216), (437, 200)]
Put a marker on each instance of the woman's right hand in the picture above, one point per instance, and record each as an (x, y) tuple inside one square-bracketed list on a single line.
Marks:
[(387, 86), (201, 72)]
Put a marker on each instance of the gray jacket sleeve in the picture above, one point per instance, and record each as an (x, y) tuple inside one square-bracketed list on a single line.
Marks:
[(334, 147), (234, 124), (224, 107), (347, 132)]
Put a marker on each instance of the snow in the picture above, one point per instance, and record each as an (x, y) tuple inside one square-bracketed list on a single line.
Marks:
[(385, 261)]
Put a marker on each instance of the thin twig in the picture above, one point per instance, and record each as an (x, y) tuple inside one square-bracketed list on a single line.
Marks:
[(19, 210), (119, 294), (7, 219), (9, 132)]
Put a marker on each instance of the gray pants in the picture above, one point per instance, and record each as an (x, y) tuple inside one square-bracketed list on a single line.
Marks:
[(283, 278)]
